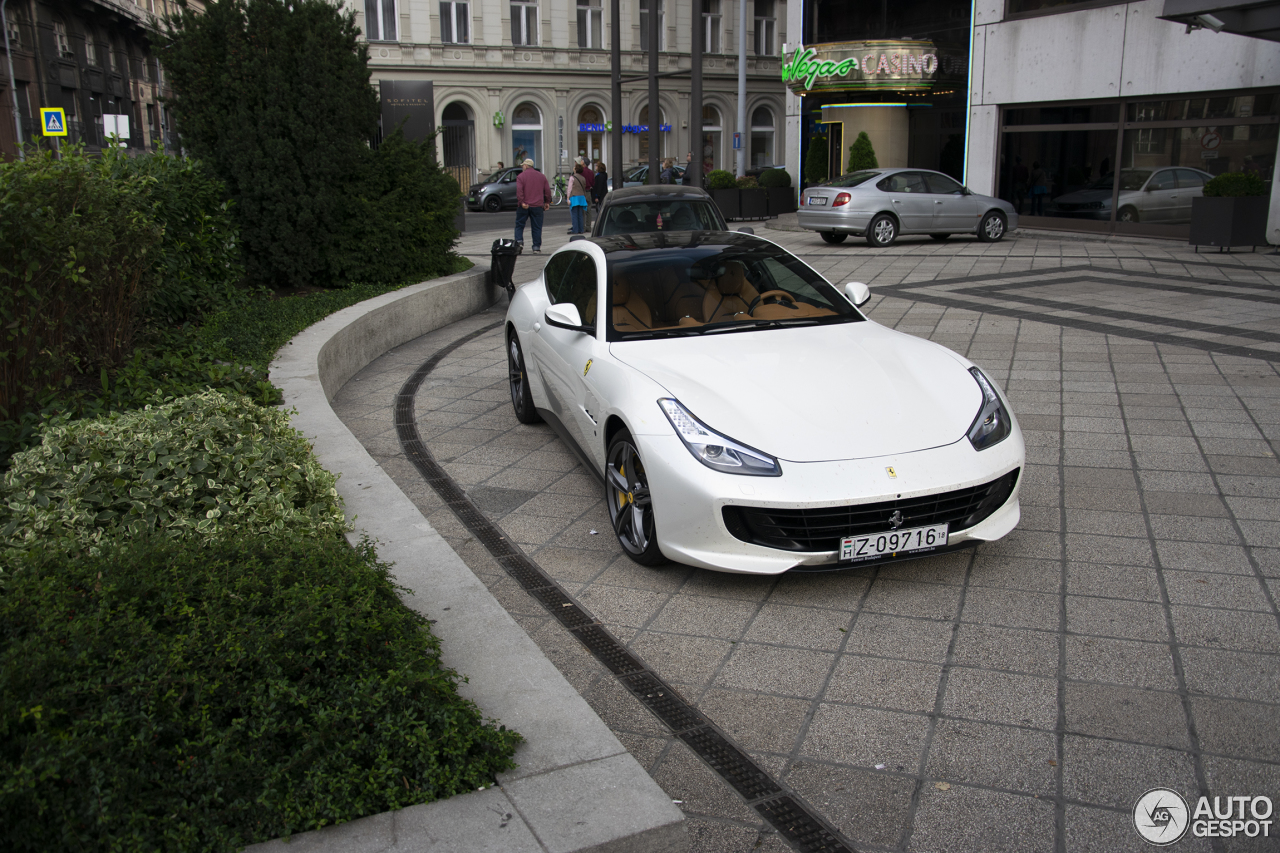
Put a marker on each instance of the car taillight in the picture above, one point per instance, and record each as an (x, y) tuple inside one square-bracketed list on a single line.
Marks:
[(843, 198), (803, 199)]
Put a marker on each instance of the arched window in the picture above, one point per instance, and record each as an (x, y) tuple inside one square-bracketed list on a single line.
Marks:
[(644, 135), (591, 134), (711, 138), (526, 135), (762, 131)]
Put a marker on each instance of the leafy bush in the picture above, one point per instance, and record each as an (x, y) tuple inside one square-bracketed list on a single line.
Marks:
[(747, 182), (1234, 185), (861, 154), (198, 258), (719, 179), (75, 259), (201, 467), (170, 696), (816, 161), (775, 178), (400, 217)]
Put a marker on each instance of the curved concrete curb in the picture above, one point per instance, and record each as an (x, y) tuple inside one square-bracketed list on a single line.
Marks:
[(577, 788)]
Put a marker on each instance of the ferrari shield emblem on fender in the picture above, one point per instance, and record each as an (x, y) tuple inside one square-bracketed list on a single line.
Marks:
[(893, 475), (588, 367)]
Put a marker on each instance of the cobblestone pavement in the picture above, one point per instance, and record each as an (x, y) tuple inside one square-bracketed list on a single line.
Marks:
[(1017, 697)]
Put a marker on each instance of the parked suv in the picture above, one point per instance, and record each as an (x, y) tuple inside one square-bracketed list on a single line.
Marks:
[(494, 192)]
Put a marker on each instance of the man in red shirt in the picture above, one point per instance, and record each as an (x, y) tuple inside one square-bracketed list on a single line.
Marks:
[(533, 198)]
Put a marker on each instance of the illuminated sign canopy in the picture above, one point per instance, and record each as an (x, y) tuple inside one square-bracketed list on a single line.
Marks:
[(900, 65), (643, 128)]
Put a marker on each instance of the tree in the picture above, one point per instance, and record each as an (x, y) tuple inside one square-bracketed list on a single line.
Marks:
[(861, 154), (274, 96), (815, 163)]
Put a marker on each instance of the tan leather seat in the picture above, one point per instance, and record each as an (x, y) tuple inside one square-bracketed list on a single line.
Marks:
[(729, 295), (630, 312)]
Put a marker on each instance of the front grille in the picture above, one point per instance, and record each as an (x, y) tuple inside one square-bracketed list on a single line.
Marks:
[(822, 528)]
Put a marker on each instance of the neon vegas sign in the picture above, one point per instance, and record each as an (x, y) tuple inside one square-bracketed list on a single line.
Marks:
[(864, 65)]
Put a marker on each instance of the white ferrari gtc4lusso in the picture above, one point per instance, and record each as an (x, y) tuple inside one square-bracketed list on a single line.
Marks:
[(745, 416)]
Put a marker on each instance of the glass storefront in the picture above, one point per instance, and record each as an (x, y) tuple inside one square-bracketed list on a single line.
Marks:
[(1131, 166), (526, 135)]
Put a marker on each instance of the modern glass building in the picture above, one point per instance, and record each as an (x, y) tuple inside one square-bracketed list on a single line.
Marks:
[(1090, 115)]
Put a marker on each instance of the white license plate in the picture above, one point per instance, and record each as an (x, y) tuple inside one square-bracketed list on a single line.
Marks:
[(817, 200), (858, 548)]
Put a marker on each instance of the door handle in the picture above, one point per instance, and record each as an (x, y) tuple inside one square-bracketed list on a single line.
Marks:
[(937, 202), (897, 201)]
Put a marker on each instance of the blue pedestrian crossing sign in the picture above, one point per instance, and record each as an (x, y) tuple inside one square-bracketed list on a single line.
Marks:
[(54, 121)]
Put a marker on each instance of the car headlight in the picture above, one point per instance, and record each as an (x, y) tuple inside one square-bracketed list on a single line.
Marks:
[(993, 424), (718, 452)]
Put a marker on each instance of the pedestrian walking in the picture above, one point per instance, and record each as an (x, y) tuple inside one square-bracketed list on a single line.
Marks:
[(600, 187), (590, 178), (668, 165), (533, 199), (687, 178), (578, 199)]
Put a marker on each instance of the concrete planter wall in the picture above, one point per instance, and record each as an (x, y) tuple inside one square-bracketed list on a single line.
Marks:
[(1227, 222)]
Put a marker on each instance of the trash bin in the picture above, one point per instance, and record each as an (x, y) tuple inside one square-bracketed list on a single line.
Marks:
[(502, 264)]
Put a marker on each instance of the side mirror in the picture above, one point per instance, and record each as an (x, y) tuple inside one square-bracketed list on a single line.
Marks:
[(747, 229), (857, 292), (565, 315), (966, 191)]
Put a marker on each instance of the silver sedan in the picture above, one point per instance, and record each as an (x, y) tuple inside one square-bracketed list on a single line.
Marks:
[(880, 204)]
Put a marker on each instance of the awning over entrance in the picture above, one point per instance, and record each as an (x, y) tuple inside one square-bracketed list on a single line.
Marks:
[(1258, 20)]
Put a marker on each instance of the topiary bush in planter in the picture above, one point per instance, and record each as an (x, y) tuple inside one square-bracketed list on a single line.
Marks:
[(816, 162), (748, 182), (861, 154), (772, 178), (719, 179), (1232, 212)]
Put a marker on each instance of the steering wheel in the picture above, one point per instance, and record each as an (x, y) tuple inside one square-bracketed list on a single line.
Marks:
[(771, 294)]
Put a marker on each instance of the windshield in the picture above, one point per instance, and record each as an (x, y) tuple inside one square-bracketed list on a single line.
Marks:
[(1130, 179), (723, 284), (640, 217), (851, 180)]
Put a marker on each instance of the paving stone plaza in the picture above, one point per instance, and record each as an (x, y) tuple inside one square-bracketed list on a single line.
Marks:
[(1020, 696)]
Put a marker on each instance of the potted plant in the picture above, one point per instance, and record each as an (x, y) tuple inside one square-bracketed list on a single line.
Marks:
[(1232, 212), (724, 192), (753, 202), (777, 187)]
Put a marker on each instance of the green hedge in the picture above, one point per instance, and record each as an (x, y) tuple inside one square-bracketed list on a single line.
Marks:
[(817, 160), (775, 178), (721, 179), (174, 696), (1235, 184), (207, 466)]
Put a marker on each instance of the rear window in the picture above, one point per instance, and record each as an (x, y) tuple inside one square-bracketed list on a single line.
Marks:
[(851, 180), (640, 217)]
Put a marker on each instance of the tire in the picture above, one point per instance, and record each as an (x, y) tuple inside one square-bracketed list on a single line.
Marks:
[(521, 399), (1128, 214), (882, 231), (992, 227), (939, 237), (626, 493), (493, 203), (833, 237)]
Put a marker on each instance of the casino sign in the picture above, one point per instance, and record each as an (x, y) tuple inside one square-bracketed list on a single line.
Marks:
[(881, 64)]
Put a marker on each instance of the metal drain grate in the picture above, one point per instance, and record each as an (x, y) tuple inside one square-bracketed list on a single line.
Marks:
[(725, 758), (786, 812), (799, 827), (666, 704)]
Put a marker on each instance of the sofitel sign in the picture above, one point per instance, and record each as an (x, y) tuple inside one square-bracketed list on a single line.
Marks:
[(869, 65)]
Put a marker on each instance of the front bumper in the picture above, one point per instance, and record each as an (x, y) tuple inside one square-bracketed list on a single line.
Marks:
[(688, 497)]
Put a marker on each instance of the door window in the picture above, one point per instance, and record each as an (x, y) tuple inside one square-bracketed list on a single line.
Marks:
[(942, 184), (1162, 180), (571, 277), (1189, 178), (904, 182)]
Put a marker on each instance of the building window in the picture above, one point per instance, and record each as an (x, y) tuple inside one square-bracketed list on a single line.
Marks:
[(761, 137), (590, 26), (524, 23), (711, 26), (766, 24), (591, 139), (526, 135), (60, 37), (455, 23), (711, 136), (111, 57), (646, 7), (15, 32), (380, 20)]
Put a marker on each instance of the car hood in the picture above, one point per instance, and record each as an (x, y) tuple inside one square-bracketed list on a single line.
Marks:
[(813, 394)]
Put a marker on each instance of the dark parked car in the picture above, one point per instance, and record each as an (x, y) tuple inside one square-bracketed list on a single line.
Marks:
[(662, 207), (639, 176), (494, 192)]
